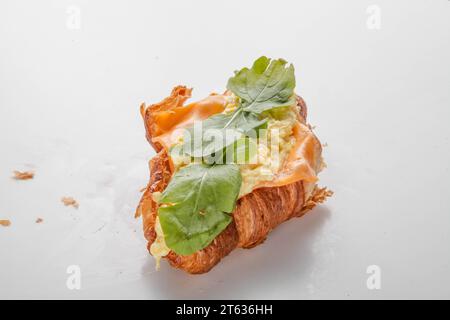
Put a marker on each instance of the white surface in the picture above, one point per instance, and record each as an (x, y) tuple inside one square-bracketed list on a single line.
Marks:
[(69, 110)]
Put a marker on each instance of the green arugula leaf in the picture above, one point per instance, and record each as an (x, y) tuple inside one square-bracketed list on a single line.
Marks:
[(268, 84), (220, 131), (196, 205)]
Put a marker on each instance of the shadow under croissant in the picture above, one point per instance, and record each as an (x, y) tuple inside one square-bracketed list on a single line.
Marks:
[(286, 253)]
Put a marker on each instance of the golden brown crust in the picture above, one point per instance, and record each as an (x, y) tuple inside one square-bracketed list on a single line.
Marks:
[(176, 99), (263, 209), (318, 195), (202, 261), (160, 174)]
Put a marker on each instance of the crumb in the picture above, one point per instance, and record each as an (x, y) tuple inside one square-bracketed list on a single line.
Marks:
[(23, 175), (39, 220), (5, 223), (69, 201)]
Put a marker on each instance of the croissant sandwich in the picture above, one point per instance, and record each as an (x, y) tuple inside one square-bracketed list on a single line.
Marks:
[(229, 168)]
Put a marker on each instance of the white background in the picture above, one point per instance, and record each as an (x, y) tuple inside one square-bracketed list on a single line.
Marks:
[(69, 103)]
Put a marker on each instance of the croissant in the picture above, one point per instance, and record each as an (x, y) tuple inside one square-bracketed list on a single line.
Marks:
[(256, 213)]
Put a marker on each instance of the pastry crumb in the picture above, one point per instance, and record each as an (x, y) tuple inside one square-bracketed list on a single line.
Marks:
[(39, 220), (69, 201), (23, 175), (5, 223)]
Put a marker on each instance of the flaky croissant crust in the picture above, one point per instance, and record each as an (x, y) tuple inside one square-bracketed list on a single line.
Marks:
[(255, 215)]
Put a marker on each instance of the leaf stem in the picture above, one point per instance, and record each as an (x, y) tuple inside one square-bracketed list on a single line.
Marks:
[(238, 111)]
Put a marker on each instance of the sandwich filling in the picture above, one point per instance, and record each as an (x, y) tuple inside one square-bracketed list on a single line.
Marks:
[(224, 147)]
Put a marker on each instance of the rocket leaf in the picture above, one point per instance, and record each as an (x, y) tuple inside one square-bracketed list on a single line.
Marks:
[(196, 205), (266, 85)]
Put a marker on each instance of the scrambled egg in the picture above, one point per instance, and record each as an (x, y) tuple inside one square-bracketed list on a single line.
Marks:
[(232, 104), (159, 249), (273, 149), (179, 159)]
